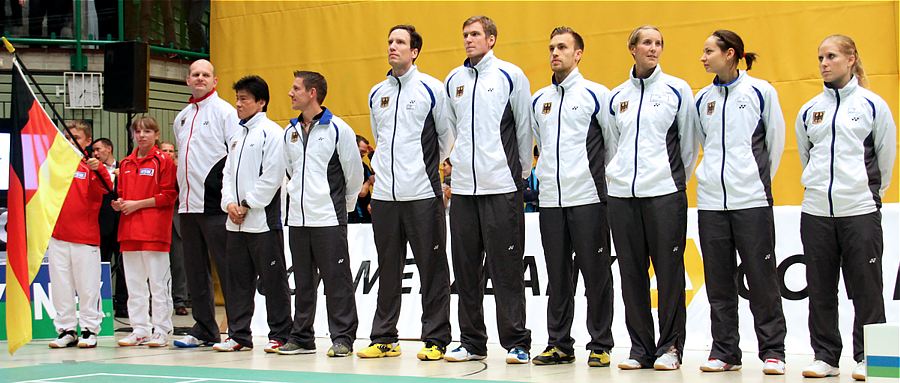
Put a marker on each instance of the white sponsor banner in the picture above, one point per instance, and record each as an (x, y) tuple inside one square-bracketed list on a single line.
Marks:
[(791, 270)]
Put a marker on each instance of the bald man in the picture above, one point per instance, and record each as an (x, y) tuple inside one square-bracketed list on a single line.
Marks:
[(202, 131)]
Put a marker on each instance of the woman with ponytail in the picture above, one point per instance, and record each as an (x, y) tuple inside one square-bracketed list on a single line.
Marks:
[(846, 139), (740, 125)]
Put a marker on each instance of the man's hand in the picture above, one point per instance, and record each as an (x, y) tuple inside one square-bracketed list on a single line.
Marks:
[(236, 213), (93, 163)]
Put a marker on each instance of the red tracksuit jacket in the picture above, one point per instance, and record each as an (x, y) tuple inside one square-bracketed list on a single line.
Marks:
[(77, 221), (148, 229)]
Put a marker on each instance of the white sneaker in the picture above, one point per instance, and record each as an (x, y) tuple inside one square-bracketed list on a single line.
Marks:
[(87, 340), (717, 365), (859, 372), (820, 369), (65, 339), (630, 364), (230, 345), (460, 354), (158, 340), (133, 339), (773, 366), (189, 341), (668, 361)]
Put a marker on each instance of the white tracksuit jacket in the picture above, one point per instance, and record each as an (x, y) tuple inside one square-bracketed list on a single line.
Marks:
[(653, 136), (412, 136), (740, 125), (254, 170), (491, 120), (569, 133), (324, 170), (202, 132), (847, 143)]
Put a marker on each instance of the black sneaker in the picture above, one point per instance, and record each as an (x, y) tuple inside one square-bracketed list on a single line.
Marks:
[(552, 355)]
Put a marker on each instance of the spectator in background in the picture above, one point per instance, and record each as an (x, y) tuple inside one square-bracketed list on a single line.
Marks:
[(109, 227), (57, 13), (196, 9), (15, 17), (362, 212), (176, 257), (532, 187)]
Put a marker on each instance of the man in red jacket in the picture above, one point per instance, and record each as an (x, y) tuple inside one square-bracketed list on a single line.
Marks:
[(74, 250)]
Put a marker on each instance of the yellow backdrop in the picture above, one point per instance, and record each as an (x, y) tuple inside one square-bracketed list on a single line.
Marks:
[(347, 42)]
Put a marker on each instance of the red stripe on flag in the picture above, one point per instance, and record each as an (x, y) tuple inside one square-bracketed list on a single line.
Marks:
[(38, 134), (17, 247)]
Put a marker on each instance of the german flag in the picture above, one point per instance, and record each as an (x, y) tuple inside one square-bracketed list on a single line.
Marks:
[(41, 166)]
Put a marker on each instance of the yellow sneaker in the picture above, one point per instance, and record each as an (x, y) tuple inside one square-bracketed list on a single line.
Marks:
[(598, 358), (380, 350), (431, 351)]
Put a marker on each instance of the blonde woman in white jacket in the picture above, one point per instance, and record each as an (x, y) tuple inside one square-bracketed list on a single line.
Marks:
[(846, 139), (740, 124), (653, 148)]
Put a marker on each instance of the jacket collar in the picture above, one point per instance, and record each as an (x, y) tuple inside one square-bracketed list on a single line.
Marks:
[(205, 98), (729, 85), (646, 81), (154, 152), (409, 75), (847, 90), (486, 62), (573, 78), (253, 121), (323, 118)]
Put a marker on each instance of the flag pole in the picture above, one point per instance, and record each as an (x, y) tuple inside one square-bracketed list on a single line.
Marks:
[(16, 59)]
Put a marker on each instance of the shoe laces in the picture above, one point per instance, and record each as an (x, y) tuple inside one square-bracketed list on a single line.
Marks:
[(86, 334), (64, 333)]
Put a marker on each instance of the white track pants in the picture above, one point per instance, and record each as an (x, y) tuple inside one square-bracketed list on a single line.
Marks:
[(141, 266), (75, 268)]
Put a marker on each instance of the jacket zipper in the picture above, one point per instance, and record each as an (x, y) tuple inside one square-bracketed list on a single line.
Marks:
[(722, 175), (237, 170), (837, 95), (393, 138), (187, 150), (474, 178), (636, 135), (562, 96), (303, 172)]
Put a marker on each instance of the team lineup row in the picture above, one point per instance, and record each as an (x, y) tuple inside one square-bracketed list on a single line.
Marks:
[(612, 161)]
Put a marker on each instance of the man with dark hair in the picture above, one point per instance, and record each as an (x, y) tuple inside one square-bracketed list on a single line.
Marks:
[(567, 127), (491, 158), (325, 173), (407, 116), (361, 214), (102, 149), (251, 195), (202, 131)]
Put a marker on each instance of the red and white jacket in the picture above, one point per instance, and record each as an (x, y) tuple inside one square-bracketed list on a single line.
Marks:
[(151, 176), (77, 221)]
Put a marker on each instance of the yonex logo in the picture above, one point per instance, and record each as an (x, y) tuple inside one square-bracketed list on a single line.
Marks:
[(146, 172)]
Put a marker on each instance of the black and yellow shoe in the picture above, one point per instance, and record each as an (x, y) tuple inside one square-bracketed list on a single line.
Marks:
[(379, 350), (431, 351), (598, 358), (553, 355)]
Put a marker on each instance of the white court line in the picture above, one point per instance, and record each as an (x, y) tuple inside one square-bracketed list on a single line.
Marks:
[(61, 377), (180, 378)]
